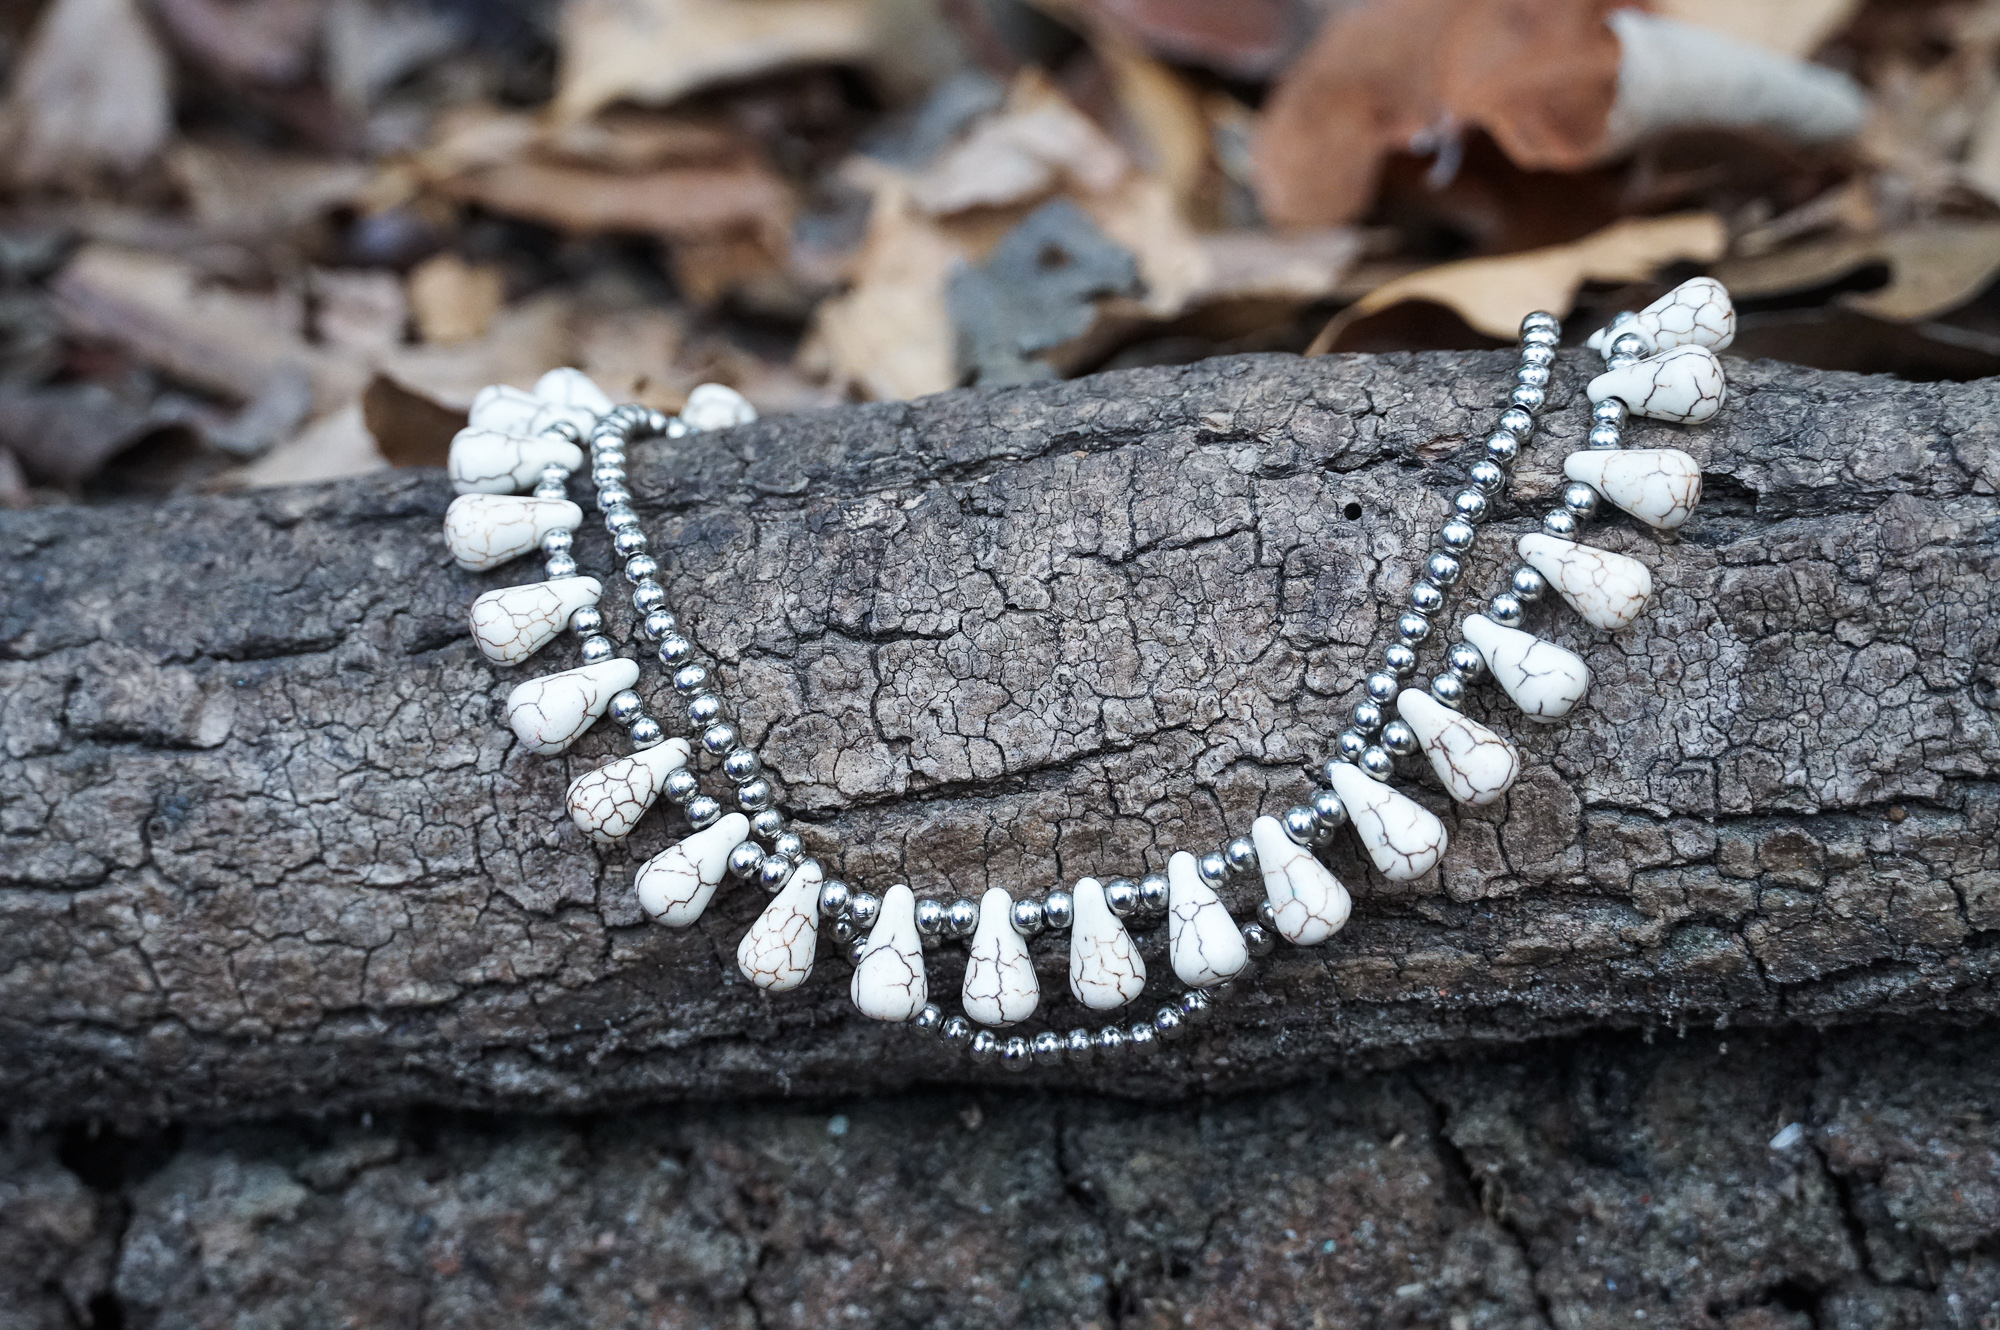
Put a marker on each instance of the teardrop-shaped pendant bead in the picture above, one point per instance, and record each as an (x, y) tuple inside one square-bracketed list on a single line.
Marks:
[(1000, 987), (1402, 837), (1544, 680), (1683, 385), (1308, 903), (777, 953), (1203, 942), (677, 884), (514, 622), (608, 802), (1105, 969), (486, 530), (512, 411), (1607, 589), (888, 983), (574, 390), (1659, 486), (1698, 312), (551, 713), (716, 406), (485, 461), (1475, 764)]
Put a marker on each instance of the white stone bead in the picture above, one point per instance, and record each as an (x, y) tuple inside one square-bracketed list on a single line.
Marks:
[(1607, 589), (1308, 903), (1105, 969), (1683, 385), (511, 411), (1698, 312), (677, 884), (486, 530), (1403, 838), (777, 953), (888, 983), (608, 802), (1000, 987), (485, 461), (574, 390), (1659, 486), (551, 713), (1544, 680), (514, 622), (1475, 764), (1203, 942), (714, 406)]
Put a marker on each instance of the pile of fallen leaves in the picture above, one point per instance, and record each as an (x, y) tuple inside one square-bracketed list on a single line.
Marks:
[(253, 242)]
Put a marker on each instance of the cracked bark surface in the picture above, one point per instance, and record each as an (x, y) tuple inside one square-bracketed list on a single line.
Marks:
[(269, 847)]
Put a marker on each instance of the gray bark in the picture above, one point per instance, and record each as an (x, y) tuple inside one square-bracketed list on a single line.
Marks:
[(269, 848)]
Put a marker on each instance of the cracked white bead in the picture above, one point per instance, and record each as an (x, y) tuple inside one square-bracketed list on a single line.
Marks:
[(714, 406), (574, 390), (487, 461), (1308, 903), (1659, 486), (1402, 837), (486, 530), (608, 802), (888, 983), (1475, 765), (512, 623), (1203, 942), (1544, 680), (1607, 589), (777, 953), (551, 713), (1698, 312), (1000, 988), (512, 411), (1105, 969), (1684, 385), (677, 884)]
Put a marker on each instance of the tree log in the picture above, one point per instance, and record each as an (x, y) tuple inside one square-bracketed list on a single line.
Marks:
[(269, 847)]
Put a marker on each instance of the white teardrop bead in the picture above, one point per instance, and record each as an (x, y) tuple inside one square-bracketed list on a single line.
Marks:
[(574, 389), (777, 953), (1308, 904), (1475, 764), (511, 411), (1105, 970), (1000, 986), (514, 622), (1698, 312), (888, 983), (677, 884), (714, 406), (1683, 385), (1659, 486), (484, 461), (1403, 838), (1544, 680), (486, 530), (551, 713), (608, 802), (1607, 589), (1203, 942)]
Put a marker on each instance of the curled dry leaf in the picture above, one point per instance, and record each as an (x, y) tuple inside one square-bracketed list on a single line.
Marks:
[(1036, 144), (889, 337), (1933, 268), (452, 300), (91, 93)]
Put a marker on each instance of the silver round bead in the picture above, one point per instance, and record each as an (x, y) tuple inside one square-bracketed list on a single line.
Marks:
[(1538, 355), (1606, 436), (553, 471), (1400, 658), (1528, 584), (612, 496), (1111, 1041), (1382, 686), (956, 1033), (1449, 688), (1412, 627), (1488, 477), (680, 786), (753, 795), (834, 896), (1058, 909), (1399, 738), (931, 919), (1465, 659), (1260, 940), (1328, 809), (551, 489), (1014, 1054), (1629, 344), (775, 871), (585, 620), (1267, 914), (985, 1046), (597, 649), (1026, 916), (1530, 399), (1505, 610), (646, 733), (619, 519), (1367, 716), (1541, 337), (1299, 822), (1153, 893), (741, 765), (641, 567), (703, 812), (1503, 446), (1196, 1004), (768, 823), (864, 908), (629, 542), (844, 930), (1580, 498), (690, 678), (675, 650), (1611, 412), (558, 541), (1240, 855), (963, 916), (658, 623), (1214, 869), (719, 738), (1141, 1037), (1560, 522), (1472, 505), (1079, 1045), (929, 1020), (703, 708), (1167, 1022), (1376, 762), (1457, 535), (1443, 568), (1047, 1049), (648, 596), (1619, 362), (748, 857), (1532, 376), (1348, 745), (1122, 895), (1425, 598), (561, 565), (626, 706), (789, 844), (1540, 319)]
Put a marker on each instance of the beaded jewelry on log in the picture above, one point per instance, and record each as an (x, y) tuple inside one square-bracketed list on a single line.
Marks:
[(1659, 363)]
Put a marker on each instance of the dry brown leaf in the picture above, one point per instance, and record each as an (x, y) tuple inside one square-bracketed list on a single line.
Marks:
[(454, 301), (1794, 27), (1933, 269), (91, 93), (889, 337), (1037, 143), (409, 428), (1165, 109), (692, 202), (1246, 38), (523, 340), (1492, 294), (362, 310), (241, 192), (252, 41), (334, 447)]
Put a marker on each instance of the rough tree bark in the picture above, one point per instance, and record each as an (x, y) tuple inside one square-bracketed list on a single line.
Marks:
[(268, 848)]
